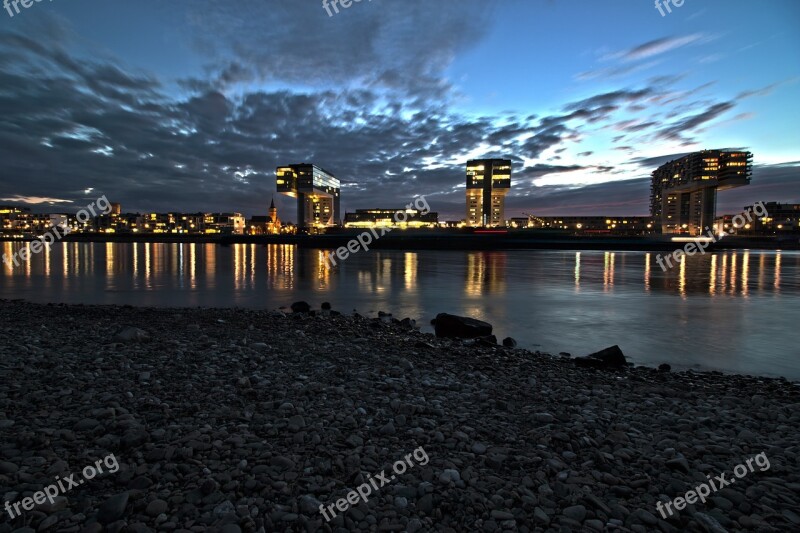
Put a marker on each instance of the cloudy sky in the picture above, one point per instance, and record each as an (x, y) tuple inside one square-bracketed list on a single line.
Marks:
[(190, 105)]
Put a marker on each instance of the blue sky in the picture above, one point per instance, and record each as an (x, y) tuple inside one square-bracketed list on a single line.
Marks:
[(191, 105)]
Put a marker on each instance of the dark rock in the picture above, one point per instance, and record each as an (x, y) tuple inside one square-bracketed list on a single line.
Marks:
[(156, 507), (301, 307), (664, 368), (489, 340), (130, 334), (508, 342), (113, 508), (680, 464), (453, 326), (408, 323), (326, 306), (609, 358)]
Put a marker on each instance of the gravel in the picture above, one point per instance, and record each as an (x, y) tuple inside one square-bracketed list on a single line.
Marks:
[(243, 420)]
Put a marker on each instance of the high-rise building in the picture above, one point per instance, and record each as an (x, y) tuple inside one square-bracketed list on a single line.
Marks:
[(488, 182), (683, 192), (317, 191)]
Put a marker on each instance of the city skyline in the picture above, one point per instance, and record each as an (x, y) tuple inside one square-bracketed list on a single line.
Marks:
[(160, 119)]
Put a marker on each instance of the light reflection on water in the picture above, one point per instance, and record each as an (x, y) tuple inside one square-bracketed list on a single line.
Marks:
[(732, 311)]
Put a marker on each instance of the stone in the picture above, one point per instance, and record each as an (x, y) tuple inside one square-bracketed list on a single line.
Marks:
[(679, 463), (609, 358), (8, 468), (708, 523), (113, 508), (156, 507), (453, 326), (575, 512), (131, 334), (301, 307), (508, 342)]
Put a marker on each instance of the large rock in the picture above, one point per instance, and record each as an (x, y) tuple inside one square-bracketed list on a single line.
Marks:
[(461, 327), (609, 358), (301, 307)]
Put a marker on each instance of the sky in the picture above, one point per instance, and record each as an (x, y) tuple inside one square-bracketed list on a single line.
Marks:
[(190, 105)]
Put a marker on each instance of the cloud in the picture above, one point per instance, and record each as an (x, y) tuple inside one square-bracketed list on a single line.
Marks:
[(656, 47), (387, 45), (681, 129)]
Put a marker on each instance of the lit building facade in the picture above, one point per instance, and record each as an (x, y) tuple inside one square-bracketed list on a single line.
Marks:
[(318, 194), (616, 225), (683, 192), (488, 182), (224, 223), (781, 219), (377, 218)]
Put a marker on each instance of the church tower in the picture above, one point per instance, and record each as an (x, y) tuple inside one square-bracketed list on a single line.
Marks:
[(274, 223)]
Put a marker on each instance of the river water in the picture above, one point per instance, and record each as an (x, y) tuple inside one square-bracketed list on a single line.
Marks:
[(731, 311)]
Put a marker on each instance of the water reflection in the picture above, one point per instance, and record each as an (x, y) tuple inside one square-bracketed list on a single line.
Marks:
[(150, 266), (540, 296), (486, 273)]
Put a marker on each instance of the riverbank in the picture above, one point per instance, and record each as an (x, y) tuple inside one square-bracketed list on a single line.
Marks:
[(245, 420)]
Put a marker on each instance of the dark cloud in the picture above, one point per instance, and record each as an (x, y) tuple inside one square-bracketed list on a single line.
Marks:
[(679, 131), (399, 46)]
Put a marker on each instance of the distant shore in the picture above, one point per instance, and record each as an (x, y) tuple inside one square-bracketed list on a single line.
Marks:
[(240, 420), (453, 240)]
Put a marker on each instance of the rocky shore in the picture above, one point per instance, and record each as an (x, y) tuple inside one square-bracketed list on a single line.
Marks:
[(240, 420)]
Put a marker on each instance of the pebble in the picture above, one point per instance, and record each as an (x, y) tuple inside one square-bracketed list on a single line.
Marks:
[(216, 430)]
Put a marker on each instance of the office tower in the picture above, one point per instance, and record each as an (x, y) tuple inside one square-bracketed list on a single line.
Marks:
[(683, 192), (317, 192), (488, 182)]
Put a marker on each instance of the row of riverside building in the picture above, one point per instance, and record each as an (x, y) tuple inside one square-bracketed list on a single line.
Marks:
[(683, 199)]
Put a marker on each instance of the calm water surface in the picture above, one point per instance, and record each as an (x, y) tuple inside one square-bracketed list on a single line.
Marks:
[(731, 311)]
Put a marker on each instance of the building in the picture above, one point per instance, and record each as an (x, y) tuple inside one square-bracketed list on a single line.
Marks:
[(265, 225), (781, 219), (683, 192), (615, 225), (376, 218), (317, 191), (488, 182), (224, 223), (274, 223)]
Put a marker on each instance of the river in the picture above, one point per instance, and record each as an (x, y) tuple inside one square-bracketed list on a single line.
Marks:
[(731, 311)]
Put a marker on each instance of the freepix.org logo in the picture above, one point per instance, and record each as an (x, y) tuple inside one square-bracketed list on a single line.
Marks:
[(328, 4), (660, 6), (9, 4)]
